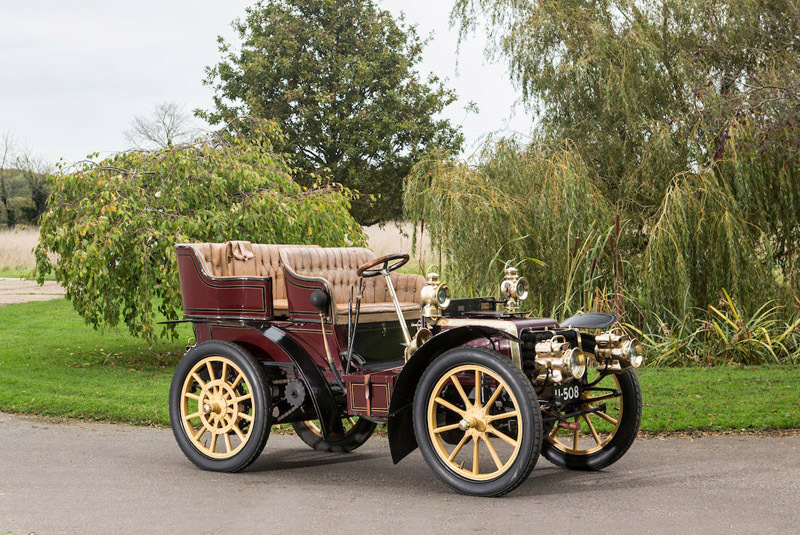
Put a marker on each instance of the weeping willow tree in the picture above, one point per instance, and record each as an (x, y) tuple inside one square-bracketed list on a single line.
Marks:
[(514, 203), (676, 118), (701, 244)]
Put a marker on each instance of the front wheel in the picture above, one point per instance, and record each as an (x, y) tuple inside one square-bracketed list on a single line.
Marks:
[(219, 407), (604, 435), (497, 420), (357, 432)]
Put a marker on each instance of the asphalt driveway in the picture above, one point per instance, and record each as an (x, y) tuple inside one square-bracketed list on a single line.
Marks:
[(109, 479)]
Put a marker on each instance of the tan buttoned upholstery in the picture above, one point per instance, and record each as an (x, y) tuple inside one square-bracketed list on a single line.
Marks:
[(337, 267), (245, 259)]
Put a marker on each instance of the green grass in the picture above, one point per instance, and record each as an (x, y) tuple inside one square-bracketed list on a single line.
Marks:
[(23, 274), (53, 364)]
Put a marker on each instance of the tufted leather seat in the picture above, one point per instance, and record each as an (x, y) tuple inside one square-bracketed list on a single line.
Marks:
[(337, 267), (245, 259)]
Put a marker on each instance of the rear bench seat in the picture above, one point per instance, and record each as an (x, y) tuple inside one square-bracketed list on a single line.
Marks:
[(234, 259), (336, 267)]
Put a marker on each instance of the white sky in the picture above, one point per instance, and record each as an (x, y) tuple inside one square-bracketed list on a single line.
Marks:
[(74, 73)]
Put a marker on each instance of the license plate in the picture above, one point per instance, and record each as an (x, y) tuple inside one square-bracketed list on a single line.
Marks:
[(566, 393)]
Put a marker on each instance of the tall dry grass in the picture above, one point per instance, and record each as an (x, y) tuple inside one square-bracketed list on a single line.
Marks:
[(397, 237), (16, 248)]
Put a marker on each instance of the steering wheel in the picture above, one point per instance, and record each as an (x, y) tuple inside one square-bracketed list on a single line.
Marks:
[(367, 269)]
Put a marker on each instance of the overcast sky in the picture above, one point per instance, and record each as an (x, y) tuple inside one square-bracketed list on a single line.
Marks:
[(74, 73)]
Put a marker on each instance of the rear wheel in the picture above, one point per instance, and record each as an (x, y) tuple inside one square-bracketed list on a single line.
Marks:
[(604, 436), (357, 432), (218, 407), (499, 427)]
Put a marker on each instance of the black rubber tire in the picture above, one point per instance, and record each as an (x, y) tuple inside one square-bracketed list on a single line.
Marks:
[(355, 437), (261, 424), (619, 444), (530, 417)]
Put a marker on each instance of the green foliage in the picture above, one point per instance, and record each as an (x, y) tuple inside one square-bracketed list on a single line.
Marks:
[(723, 335), (513, 203), (684, 116), (23, 209), (339, 77), (700, 243), (113, 225)]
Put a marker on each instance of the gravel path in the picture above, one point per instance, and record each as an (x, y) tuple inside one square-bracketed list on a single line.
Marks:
[(14, 291)]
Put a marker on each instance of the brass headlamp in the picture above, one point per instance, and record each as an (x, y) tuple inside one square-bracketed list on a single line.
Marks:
[(513, 289), (435, 296), (616, 351), (556, 361)]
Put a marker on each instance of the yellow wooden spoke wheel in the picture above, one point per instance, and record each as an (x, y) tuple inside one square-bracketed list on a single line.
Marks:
[(478, 418), (477, 421), (219, 406), (604, 435)]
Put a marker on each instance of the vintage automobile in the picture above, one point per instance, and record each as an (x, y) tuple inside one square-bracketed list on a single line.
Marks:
[(322, 338)]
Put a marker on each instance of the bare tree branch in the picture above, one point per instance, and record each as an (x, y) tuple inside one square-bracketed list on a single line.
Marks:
[(167, 125)]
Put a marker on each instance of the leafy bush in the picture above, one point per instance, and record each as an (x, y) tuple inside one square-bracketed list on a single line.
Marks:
[(114, 224)]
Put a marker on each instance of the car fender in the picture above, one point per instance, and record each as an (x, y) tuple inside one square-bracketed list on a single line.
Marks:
[(400, 426)]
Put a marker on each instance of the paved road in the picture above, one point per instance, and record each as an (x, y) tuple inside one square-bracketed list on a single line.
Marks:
[(108, 479)]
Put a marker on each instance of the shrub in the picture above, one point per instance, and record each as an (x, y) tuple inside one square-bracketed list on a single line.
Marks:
[(114, 224)]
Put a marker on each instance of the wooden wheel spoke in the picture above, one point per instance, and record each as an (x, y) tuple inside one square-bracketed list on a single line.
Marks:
[(595, 399), (244, 398), (245, 416), (606, 417), (228, 447), (461, 392), (199, 380), (445, 428), (502, 436), (238, 432), (193, 415), (458, 447), (592, 429), (509, 414), (496, 458), (575, 438), (200, 433), (476, 456), (496, 393), (213, 446), (448, 405), (192, 395), (478, 386), (236, 381), (210, 369), (224, 373)]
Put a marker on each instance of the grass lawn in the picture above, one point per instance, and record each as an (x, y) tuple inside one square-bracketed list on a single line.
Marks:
[(23, 274), (53, 364)]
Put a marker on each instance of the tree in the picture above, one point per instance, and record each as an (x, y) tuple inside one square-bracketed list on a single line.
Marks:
[(35, 171), (7, 148), (339, 77), (113, 225), (686, 113), (167, 125)]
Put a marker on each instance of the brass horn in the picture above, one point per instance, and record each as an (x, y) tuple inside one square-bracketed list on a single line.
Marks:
[(422, 336)]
